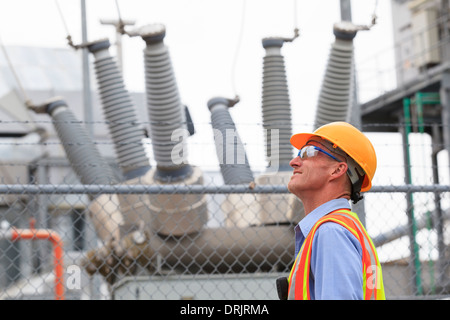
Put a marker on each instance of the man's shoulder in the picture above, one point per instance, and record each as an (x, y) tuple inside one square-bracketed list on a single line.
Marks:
[(329, 226), (335, 232)]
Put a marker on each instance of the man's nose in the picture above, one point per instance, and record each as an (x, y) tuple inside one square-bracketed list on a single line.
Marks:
[(295, 162)]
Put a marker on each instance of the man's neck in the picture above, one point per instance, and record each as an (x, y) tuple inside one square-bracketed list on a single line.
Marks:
[(310, 202)]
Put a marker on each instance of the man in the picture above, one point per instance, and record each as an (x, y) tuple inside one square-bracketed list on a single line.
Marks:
[(335, 257)]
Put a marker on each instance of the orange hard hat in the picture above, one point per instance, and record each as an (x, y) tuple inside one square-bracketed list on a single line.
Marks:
[(349, 139)]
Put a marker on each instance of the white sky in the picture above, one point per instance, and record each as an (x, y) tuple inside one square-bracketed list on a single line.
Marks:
[(203, 39)]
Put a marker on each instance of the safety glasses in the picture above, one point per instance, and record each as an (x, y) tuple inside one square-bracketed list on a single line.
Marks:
[(312, 151)]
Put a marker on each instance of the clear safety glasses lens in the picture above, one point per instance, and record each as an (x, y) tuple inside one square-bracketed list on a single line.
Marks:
[(312, 151), (307, 152)]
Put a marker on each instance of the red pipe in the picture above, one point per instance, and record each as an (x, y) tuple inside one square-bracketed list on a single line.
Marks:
[(55, 239)]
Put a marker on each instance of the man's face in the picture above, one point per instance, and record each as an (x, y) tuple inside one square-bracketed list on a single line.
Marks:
[(311, 174)]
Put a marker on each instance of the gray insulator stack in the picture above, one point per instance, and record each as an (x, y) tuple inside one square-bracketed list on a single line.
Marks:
[(84, 157), (336, 94), (276, 107), (231, 153), (119, 112), (166, 112)]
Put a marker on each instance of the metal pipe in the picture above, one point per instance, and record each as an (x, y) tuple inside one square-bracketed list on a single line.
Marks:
[(187, 189), (119, 112), (87, 99), (88, 164), (233, 164), (402, 231), (438, 220), (414, 247), (83, 155), (336, 93), (276, 106), (14, 234), (231, 153), (276, 114), (172, 215), (168, 129), (221, 250)]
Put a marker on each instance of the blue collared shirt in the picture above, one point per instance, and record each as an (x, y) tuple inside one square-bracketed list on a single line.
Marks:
[(336, 258)]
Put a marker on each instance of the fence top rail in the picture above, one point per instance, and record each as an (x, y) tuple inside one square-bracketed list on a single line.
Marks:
[(186, 189)]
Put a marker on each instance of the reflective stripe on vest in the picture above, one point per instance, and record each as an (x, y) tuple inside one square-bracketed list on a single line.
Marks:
[(373, 287)]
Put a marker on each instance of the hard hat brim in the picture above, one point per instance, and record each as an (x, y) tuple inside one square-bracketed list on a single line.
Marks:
[(300, 139)]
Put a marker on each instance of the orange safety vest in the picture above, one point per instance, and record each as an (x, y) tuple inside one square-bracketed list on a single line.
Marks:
[(373, 287)]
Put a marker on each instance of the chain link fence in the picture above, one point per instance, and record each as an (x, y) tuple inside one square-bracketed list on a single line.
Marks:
[(143, 240)]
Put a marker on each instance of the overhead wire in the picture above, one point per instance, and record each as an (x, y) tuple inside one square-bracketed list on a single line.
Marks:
[(296, 30), (237, 51), (22, 90), (118, 10), (374, 14), (240, 37), (68, 37), (121, 24), (62, 17)]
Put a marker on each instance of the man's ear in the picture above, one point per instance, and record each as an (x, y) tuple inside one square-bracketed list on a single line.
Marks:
[(339, 170)]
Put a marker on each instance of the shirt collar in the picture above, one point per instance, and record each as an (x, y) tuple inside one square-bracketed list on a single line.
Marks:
[(310, 220)]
